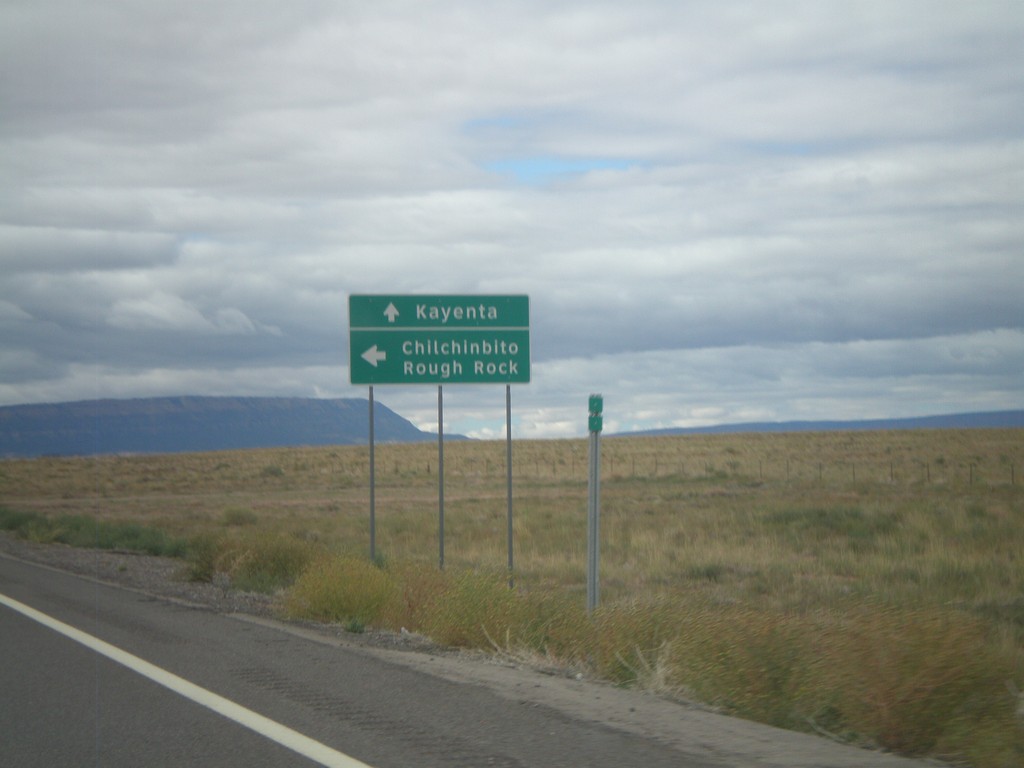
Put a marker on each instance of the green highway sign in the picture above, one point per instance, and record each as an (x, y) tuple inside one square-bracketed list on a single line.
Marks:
[(431, 356), (439, 339), (439, 311)]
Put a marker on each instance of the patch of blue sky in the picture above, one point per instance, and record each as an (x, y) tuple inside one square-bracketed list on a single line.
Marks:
[(540, 169)]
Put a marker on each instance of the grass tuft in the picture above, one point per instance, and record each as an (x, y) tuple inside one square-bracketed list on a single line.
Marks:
[(85, 531), (848, 527), (238, 517), (919, 681)]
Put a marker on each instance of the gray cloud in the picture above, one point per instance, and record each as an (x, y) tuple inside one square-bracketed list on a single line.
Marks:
[(720, 212)]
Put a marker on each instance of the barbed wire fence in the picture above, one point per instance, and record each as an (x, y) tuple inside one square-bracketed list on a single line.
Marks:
[(571, 467)]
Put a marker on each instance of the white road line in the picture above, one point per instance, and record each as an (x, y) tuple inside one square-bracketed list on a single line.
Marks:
[(264, 726)]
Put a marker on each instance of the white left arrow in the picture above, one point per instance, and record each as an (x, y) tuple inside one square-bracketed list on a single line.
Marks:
[(374, 355)]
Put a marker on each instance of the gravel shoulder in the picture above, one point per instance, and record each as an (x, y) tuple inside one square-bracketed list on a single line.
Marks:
[(695, 731)]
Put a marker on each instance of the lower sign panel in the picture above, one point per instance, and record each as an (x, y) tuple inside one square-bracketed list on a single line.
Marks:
[(457, 356)]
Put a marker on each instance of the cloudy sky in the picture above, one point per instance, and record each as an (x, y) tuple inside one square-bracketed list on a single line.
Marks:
[(721, 211)]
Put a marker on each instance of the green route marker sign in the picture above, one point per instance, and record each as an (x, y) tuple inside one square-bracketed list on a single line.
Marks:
[(439, 339)]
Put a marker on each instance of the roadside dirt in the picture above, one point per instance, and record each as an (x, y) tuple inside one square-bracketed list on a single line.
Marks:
[(695, 731)]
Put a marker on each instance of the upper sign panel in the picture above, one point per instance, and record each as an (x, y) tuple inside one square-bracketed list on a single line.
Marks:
[(414, 339)]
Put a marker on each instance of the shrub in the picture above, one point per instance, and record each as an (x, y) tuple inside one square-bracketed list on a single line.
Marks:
[(255, 562), (417, 590), (202, 554), (475, 608), (265, 562), (344, 590)]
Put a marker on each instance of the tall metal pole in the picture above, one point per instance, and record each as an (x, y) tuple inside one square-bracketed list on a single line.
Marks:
[(373, 483), (593, 522), (508, 470), (595, 423), (440, 476)]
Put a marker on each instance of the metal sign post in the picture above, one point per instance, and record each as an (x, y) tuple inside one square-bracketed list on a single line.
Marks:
[(508, 471), (440, 477), (595, 423), (373, 487)]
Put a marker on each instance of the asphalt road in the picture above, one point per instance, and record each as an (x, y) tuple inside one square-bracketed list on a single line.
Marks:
[(65, 703)]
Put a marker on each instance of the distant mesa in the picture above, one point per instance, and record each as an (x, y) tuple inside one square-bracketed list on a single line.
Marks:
[(186, 424), (983, 420)]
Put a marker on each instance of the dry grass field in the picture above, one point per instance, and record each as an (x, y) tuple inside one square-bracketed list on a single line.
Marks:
[(865, 585)]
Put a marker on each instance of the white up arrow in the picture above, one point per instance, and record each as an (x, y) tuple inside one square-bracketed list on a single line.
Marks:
[(391, 311), (374, 355)]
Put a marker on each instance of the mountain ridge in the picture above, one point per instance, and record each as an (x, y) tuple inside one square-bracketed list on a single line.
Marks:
[(195, 423), (975, 420)]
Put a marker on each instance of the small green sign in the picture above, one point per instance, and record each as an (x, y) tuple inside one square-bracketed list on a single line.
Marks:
[(439, 339), (595, 405)]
